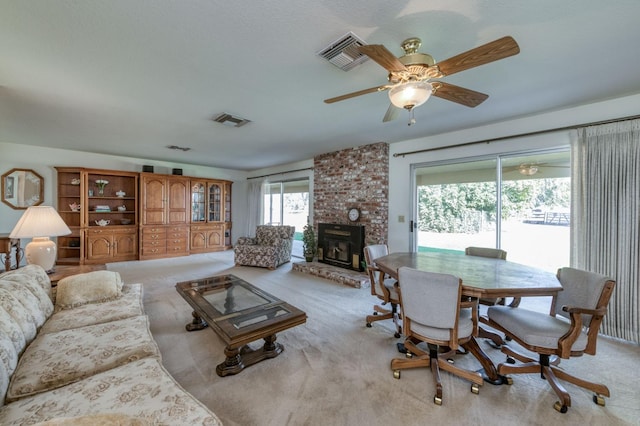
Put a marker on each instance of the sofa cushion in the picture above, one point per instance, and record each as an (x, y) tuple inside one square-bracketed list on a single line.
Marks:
[(20, 315), (11, 331), (28, 300), (141, 389), (57, 359), (91, 287), (29, 282), (127, 306), (97, 420), (37, 275)]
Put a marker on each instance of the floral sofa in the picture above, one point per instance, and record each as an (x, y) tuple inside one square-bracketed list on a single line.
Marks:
[(270, 248), (87, 358)]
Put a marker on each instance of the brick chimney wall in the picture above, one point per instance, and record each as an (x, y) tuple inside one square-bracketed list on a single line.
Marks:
[(355, 177)]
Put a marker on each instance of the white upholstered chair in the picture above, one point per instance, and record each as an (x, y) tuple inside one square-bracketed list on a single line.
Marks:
[(383, 287), (431, 312), (569, 330)]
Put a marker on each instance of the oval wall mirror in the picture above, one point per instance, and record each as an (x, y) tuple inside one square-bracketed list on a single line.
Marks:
[(22, 188)]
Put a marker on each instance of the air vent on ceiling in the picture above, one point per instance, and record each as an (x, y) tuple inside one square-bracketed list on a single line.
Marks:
[(343, 53), (231, 120)]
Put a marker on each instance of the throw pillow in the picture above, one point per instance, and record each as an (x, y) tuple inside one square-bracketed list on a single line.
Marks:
[(92, 287)]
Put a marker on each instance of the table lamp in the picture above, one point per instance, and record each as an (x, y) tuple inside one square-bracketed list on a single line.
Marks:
[(40, 223)]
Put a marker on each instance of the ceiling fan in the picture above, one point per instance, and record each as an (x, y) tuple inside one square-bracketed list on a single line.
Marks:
[(410, 75), (530, 169)]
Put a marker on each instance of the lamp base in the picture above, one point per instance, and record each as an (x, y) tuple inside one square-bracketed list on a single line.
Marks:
[(41, 251)]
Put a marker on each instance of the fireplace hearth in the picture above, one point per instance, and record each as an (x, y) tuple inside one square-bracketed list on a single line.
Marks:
[(341, 245)]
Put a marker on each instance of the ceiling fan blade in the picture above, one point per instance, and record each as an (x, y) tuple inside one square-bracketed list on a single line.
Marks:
[(493, 51), (383, 57), (392, 113), (354, 94), (460, 95)]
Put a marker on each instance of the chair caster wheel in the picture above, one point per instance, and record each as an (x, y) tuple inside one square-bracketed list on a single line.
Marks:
[(598, 400), (437, 401), (508, 338), (375, 313), (510, 360), (368, 325), (396, 374), (396, 335), (560, 407), (475, 389)]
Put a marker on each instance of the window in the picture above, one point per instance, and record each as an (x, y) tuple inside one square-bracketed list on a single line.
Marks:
[(519, 203), (287, 203)]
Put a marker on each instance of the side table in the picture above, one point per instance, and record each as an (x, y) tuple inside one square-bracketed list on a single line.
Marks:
[(63, 271), (7, 245)]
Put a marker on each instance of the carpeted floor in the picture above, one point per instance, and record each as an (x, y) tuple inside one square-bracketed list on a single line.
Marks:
[(335, 371)]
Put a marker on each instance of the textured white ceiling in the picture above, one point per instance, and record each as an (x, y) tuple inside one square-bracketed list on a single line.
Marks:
[(130, 77)]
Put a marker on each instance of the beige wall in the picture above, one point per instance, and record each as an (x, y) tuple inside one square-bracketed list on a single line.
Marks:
[(43, 160)]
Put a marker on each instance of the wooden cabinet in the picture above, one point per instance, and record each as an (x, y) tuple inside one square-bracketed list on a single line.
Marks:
[(210, 215), (70, 189), (117, 215), (164, 205), (111, 245), (102, 200)]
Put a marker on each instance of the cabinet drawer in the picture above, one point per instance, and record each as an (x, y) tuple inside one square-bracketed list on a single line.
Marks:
[(181, 234), (177, 248), (153, 237), (153, 251), (151, 244), (176, 242), (154, 230)]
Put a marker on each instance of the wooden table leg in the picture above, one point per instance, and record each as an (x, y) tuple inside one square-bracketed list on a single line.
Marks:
[(239, 358), (197, 324), (488, 371)]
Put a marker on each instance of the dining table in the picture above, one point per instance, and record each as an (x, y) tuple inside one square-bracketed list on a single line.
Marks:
[(481, 278)]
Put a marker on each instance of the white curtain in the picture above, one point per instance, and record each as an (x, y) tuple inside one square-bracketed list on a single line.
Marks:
[(605, 232), (254, 205)]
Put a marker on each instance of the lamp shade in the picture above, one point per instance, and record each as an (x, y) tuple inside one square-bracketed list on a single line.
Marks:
[(40, 223), (411, 94)]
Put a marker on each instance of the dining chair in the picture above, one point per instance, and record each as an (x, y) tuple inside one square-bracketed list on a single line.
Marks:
[(431, 313), (569, 330), (383, 287), (492, 253)]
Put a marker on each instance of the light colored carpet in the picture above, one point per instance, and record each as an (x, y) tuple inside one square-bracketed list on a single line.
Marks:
[(335, 371)]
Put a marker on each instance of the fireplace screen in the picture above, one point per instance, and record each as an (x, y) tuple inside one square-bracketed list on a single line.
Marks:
[(341, 245)]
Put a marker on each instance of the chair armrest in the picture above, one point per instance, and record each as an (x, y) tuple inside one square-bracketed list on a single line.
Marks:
[(568, 339), (246, 240), (473, 304), (578, 310)]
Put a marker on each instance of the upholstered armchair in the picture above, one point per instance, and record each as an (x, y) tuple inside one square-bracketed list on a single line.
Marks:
[(270, 248)]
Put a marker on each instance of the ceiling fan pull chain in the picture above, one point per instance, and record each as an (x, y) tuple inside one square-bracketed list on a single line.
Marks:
[(412, 119)]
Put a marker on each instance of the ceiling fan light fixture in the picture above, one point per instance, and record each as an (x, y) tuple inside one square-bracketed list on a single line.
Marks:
[(411, 94), (528, 169)]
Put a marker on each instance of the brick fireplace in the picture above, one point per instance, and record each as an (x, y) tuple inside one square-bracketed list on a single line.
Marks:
[(355, 177)]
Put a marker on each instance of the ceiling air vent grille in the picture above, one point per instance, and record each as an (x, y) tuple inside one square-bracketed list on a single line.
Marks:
[(230, 120), (343, 53)]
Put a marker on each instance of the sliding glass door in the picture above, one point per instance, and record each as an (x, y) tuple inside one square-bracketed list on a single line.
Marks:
[(536, 209), (519, 203), (287, 203)]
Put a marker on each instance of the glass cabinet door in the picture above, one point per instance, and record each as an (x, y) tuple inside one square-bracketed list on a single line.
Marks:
[(198, 202), (215, 202)]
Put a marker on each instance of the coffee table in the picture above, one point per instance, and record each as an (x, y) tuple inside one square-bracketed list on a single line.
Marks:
[(239, 313)]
